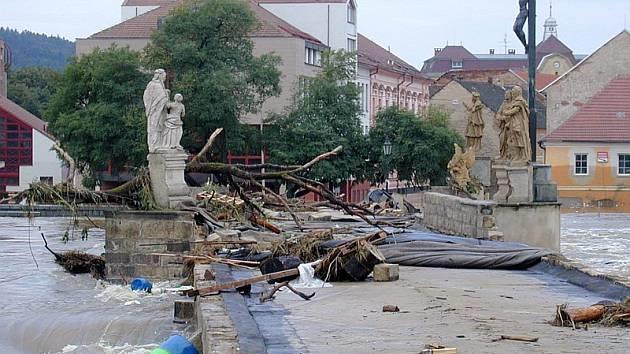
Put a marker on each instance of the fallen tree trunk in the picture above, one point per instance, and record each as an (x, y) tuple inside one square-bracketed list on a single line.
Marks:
[(76, 262)]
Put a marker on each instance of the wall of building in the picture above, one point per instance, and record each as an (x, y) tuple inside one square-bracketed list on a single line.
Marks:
[(45, 164), (576, 88), (87, 45), (601, 186), (363, 80), (554, 64), (450, 98), (326, 22), (128, 12), (292, 67), (385, 86)]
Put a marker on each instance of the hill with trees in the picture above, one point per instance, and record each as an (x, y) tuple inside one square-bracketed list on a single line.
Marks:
[(37, 50)]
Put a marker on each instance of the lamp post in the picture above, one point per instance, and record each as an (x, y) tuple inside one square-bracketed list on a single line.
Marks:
[(387, 151)]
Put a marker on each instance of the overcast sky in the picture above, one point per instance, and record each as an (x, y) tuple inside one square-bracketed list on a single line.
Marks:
[(412, 28)]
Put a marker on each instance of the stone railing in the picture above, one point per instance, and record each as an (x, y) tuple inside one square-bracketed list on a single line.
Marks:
[(463, 217)]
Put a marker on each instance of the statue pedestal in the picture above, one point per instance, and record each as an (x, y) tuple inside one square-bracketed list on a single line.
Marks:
[(166, 168), (514, 182)]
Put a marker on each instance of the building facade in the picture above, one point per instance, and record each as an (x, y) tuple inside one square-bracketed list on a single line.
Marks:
[(590, 152)]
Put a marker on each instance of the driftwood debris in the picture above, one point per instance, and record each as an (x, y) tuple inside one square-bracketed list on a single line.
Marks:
[(76, 262), (604, 313), (270, 294), (517, 338), (240, 283)]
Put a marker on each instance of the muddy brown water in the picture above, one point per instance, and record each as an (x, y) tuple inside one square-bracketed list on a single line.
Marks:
[(43, 309)]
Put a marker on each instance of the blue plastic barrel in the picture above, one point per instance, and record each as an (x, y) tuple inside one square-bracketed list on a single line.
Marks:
[(141, 284), (176, 345)]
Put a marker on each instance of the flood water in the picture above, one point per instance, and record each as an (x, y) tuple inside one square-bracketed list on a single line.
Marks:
[(600, 241), (43, 309)]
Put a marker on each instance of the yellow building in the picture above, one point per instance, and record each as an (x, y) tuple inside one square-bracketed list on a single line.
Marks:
[(590, 152)]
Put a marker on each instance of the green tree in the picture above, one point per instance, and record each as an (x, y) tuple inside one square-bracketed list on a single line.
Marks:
[(421, 147), (325, 114), (32, 88), (205, 47), (97, 112)]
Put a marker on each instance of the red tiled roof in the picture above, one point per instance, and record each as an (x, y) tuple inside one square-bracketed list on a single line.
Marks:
[(542, 80), (373, 54), (553, 45), (146, 2), (23, 115), (300, 1), (455, 52), (606, 118), (143, 26)]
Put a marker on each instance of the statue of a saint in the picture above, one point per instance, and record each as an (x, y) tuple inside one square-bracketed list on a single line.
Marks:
[(155, 101), (502, 122), (515, 128), (523, 14), (173, 126), (474, 130), (459, 168)]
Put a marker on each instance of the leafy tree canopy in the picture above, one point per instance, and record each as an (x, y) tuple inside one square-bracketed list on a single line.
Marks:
[(97, 111), (205, 47), (326, 114), (421, 147), (32, 88)]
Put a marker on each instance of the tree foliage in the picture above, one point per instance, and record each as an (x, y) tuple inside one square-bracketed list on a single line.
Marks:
[(32, 88), (326, 114), (205, 47), (97, 111), (421, 147), (37, 50)]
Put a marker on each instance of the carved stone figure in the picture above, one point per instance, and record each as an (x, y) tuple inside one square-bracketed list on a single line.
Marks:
[(523, 14), (474, 130), (155, 101), (459, 167), (173, 126), (502, 123), (514, 118)]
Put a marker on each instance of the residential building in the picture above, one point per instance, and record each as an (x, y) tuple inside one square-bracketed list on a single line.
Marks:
[(393, 82), (452, 96), (133, 8), (569, 92), (299, 51), (25, 144), (590, 151), (332, 22)]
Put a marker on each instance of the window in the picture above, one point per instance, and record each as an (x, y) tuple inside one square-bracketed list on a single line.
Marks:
[(46, 180), (624, 165), (312, 56), (352, 13), (352, 45), (457, 64), (581, 164)]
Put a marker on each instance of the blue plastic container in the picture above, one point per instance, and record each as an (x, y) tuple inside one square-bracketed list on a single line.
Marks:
[(141, 284), (176, 345)]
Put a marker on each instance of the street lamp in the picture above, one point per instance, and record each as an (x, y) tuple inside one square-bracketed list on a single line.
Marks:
[(387, 151)]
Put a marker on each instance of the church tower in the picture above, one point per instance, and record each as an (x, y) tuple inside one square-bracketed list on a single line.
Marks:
[(551, 25)]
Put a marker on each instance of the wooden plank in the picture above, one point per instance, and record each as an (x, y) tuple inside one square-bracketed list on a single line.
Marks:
[(240, 283)]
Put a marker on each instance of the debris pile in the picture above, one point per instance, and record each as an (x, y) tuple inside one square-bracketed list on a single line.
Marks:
[(605, 313)]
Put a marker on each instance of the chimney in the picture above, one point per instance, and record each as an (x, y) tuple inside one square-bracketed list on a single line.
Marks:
[(512, 51), (491, 51), (437, 51)]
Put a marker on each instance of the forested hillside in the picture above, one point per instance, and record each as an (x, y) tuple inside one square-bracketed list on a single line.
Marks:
[(32, 49)]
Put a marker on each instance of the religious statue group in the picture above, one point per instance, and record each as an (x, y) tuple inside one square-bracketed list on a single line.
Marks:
[(512, 120), (164, 125)]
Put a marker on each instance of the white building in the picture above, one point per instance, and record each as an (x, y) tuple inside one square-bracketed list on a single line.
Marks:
[(332, 22)]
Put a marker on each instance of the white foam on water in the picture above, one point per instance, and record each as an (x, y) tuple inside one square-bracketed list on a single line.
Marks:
[(104, 348), (124, 294)]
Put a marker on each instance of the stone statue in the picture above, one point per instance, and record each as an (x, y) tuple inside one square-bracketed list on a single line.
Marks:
[(173, 126), (502, 123), (459, 167), (514, 121), (523, 14), (155, 102), (474, 130)]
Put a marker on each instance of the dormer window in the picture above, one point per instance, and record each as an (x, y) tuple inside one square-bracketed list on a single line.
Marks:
[(352, 13), (457, 64)]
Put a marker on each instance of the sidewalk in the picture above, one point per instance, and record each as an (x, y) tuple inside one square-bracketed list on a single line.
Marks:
[(465, 309)]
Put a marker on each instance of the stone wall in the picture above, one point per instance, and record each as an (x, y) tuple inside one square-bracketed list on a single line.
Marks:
[(534, 224), (131, 238), (460, 216)]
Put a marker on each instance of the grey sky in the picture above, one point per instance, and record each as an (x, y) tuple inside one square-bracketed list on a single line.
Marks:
[(412, 28)]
